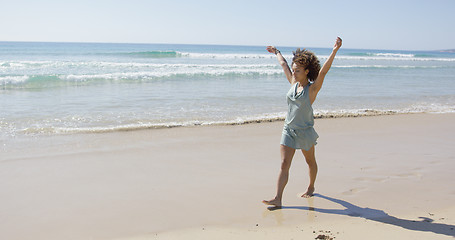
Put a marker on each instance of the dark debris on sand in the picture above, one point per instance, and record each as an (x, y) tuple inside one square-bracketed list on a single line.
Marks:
[(326, 235)]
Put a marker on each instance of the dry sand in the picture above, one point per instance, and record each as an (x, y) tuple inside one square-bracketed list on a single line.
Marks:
[(385, 177)]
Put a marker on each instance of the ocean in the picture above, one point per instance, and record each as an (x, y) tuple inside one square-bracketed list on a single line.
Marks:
[(68, 88)]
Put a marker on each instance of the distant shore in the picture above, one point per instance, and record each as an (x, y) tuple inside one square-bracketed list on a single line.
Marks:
[(448, 51)]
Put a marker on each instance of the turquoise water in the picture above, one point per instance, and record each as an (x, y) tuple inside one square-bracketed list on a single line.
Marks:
[(61, 88)]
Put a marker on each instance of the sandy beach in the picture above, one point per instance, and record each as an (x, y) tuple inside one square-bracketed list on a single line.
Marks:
[(383, 177)]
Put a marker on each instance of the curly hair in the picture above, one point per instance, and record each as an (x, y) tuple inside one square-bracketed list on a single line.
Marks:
[(309, 61)]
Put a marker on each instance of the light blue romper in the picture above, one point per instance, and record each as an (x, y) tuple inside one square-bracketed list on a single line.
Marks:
[(298, 131)]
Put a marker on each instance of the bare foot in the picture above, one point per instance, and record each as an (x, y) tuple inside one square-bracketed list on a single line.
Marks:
[(309, 192), (273, 202)]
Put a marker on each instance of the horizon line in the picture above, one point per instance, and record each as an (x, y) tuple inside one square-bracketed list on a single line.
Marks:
[(450, 50)]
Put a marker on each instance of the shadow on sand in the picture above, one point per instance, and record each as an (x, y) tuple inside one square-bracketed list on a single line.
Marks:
[(424, 225)]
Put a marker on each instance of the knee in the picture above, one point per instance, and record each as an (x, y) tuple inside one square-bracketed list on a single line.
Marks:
[(311, 162), (285, 165)]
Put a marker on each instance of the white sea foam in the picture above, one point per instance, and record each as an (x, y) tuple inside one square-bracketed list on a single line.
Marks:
[(415, 108), (104, 64), (84, 71), (431, 108), (385, 66), (371, 56), (398, 55), (12, 80), (170, 70), (390, 58), (230, 55)]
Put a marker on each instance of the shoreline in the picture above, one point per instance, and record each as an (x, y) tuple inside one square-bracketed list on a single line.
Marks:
[(16, 144), (172, 183), (49, 131)]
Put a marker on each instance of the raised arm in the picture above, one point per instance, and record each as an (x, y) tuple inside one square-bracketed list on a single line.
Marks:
[(282, 62), (316, 86)]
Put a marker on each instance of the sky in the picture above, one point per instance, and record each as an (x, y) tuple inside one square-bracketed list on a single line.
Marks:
[(378, 24)]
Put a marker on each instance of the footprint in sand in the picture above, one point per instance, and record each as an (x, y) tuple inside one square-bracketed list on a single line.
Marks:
[(435, 162), (367, 168), (353, 191), (408, 175), (370, 179)]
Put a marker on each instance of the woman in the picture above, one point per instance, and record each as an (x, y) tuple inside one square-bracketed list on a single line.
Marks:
[(298, 131)]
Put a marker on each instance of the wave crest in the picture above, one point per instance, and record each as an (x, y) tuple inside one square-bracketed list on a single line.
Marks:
[(154, 54)]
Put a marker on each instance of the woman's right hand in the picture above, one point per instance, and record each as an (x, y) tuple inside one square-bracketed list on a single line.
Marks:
[(271, 49)]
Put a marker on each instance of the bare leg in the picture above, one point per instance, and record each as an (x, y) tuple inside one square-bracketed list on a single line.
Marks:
[(287, 154), (313, 170)]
